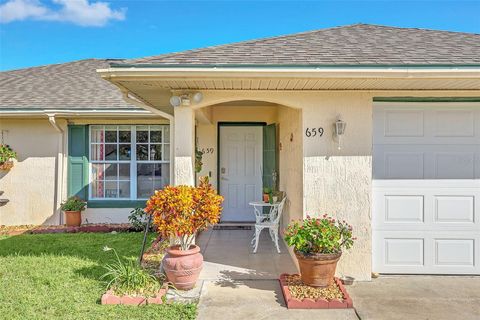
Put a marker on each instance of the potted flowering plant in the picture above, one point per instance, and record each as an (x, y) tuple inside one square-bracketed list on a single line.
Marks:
[(6, 156), (179, 212), (73, 207), (318, 244)]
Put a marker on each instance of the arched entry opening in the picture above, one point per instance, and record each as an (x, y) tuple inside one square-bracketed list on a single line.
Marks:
[(247, 145)]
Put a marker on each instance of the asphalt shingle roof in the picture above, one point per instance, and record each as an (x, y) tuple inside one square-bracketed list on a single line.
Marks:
[(359, 44), (72, 85)]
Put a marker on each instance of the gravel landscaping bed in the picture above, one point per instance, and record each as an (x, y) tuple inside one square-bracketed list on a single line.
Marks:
[(300, 291), (301, 296)]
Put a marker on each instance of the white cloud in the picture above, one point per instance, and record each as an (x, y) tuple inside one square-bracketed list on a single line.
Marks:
[(20, 10), (79, 12)]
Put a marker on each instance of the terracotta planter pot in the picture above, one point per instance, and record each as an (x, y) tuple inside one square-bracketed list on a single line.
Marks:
[(318, 270), (7, 165), (266, 197), (183, 267), (73, 218)]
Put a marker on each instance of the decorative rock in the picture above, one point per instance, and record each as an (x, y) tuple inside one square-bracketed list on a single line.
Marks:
[(306, 297)]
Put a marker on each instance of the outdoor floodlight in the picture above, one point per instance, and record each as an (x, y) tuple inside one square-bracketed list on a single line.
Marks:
[(197, 97), (175, 101), (185, 99)]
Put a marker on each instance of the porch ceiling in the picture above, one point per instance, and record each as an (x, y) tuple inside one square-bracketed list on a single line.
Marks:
[(145, 86)]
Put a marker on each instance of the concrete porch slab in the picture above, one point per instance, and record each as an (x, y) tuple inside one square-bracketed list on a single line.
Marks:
[(228, 255)]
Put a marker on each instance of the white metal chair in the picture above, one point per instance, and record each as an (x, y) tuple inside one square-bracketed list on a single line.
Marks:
[(269, 221)]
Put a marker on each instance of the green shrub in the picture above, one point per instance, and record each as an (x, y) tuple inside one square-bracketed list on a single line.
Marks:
[(319, 235), (73, 204), (128, 278), (138, 219), (6, 153)]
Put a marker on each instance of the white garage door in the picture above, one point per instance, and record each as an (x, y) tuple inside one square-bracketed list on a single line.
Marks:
[(426, 189)]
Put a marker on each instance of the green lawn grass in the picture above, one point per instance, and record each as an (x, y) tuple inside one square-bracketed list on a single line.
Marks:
[(56, 276)]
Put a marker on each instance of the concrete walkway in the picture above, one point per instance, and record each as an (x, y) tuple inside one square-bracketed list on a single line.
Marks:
[(237, 284)]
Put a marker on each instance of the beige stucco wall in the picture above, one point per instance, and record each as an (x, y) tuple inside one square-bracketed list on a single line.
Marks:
[(290, 162), (30, 184), (106, 215), (338, 182)]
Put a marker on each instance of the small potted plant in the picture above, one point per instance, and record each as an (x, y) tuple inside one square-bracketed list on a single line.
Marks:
[(72, 208), (6, 157), (179, 212), (318, 244)]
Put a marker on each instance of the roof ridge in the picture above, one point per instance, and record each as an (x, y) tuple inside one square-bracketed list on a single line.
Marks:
[(107, 60), (240, 42), (289, 35), (419, 28)]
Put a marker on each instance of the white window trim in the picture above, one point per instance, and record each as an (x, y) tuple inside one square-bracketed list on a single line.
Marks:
[(133, 160)]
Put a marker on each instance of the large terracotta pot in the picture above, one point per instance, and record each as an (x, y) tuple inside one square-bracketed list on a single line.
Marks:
[(317, 270), (183, 267), (73, 218)]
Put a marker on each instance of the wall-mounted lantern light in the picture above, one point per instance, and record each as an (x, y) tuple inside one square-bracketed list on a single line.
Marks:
[(185, 99), (340, 126)]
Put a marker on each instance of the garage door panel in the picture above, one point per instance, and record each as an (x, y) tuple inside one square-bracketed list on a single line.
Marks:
[(454, 165), (435, 124), (404, 209), (426, 189), (404, 252), (455, 209), (426, 205), (425, 252), (403, 123), (454, 252), (427, 161), (454, 123)]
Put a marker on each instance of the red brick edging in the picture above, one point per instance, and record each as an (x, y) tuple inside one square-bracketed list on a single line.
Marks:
[(293, 303), (110, 298)]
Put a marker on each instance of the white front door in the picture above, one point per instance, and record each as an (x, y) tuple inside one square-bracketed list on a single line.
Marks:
[(426, 188), (240, 171)]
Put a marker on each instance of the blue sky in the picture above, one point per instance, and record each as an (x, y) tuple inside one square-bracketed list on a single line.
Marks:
[(38, 32)]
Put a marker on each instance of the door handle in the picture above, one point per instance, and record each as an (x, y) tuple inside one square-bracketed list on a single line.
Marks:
[(222, 178)]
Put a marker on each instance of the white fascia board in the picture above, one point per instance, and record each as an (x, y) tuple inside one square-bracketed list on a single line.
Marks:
[(82, 113), (218, 72)]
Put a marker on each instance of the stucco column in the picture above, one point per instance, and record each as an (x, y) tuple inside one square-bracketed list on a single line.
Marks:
[(184, 139)]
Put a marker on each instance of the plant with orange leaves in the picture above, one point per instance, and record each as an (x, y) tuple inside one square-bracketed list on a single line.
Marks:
[(182, 211)]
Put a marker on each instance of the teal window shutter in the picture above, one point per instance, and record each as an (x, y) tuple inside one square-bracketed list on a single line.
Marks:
[(270, 157), (77, 161)]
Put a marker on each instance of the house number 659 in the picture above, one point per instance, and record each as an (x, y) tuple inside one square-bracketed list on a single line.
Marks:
[(313, 132)]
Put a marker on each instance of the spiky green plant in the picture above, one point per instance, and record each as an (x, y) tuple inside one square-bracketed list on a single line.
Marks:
[(128, 278)]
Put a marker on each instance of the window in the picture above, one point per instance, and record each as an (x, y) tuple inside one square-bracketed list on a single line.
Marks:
[(128, 162)]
